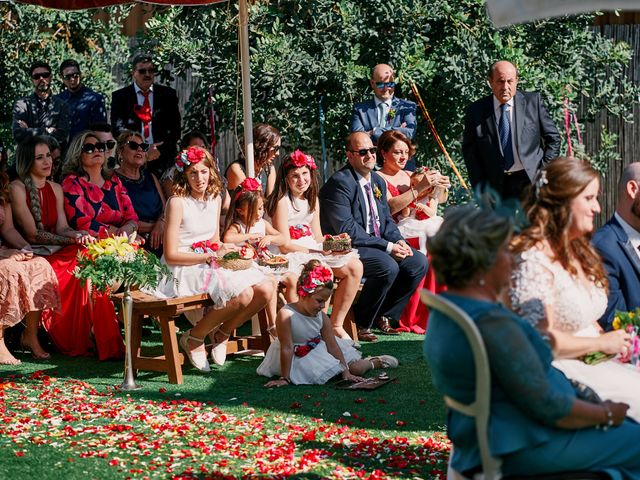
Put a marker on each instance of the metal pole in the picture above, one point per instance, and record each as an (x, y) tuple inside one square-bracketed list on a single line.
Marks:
[(129, 382), (243, 26)]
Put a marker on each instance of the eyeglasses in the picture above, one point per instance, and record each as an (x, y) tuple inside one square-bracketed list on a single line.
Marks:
[(381, 85), (110, 144), (363, 151), (135, 146), (145, 71), (38, 76), (92, 147), (70, 76), (275, 148)]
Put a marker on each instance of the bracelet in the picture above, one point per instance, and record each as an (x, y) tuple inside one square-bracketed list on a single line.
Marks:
[(606, 426), (285, 379)]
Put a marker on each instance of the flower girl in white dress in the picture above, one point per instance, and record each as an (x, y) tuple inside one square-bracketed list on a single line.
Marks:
[(295, 212), (560, 284), (191, 244), (306, 350)]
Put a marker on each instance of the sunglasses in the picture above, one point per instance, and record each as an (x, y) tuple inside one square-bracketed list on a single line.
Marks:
[(71, 76), (363, 151), (145, 71), (135, 146), (381, 85), (110, 144), (38, 76), (92, 147)]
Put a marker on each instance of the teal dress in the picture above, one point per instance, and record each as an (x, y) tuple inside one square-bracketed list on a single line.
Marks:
[(528, 395)]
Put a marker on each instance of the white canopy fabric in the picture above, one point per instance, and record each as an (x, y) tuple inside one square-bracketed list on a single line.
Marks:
[(507, 12)]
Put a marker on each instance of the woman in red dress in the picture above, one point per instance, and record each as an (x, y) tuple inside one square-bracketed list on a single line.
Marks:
[(39, 211), (395, 149)]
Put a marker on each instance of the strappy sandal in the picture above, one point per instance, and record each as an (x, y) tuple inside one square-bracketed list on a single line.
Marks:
[(272, 332), (219, 349), (384, 361), (197, 358), (36, 356)]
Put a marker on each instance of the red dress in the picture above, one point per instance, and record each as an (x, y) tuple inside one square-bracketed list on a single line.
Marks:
[(71, 328), (415, 315)]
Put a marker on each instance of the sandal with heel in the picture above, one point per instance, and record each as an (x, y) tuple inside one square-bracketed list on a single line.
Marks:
[(219, 349), (197, 358)]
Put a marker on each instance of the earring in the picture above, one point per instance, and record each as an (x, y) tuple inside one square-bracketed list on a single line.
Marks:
[(481, 282)]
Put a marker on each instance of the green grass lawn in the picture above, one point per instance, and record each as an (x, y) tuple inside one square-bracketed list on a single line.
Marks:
[(224, 424)]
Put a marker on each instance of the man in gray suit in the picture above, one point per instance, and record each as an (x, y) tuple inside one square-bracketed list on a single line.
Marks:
[(508, 135)]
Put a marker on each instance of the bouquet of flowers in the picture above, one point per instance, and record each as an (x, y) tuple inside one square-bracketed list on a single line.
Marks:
[(119, 259), (630, 322)]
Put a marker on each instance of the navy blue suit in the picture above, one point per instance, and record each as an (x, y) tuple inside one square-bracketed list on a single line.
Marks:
[(389, 282), (622, 262), (364, 118)]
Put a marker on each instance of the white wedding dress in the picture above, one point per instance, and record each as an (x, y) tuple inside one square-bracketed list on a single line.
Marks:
[(539, 282)]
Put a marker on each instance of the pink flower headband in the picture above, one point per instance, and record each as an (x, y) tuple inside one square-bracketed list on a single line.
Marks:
[(300, 159), (317, 277), (188, 157), (249, 185)]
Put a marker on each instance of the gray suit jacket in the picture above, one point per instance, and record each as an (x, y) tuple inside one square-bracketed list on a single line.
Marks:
[(537, 139)]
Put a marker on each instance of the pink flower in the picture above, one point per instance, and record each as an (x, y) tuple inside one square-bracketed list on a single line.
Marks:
[(250, 185), (300, 159), (188, 157), (299, 231)]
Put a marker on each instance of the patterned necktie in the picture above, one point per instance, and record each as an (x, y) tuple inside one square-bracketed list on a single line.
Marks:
[(373, 217), (504, 128), (146, 107), (381, 115)]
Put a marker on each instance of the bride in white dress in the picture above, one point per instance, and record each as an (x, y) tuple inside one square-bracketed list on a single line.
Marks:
[(560, 284)]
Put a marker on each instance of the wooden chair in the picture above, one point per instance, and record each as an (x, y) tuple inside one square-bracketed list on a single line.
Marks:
[(165, 310), (480, 408)]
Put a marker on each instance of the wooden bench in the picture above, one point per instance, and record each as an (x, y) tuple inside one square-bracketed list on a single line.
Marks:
[(165, 310)]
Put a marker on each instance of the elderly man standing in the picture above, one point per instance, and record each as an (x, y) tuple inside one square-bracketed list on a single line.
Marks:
[(618, 242), (354, 201), (385, 111), (150, 109), (85, 105), (507, 135), (41, 113)]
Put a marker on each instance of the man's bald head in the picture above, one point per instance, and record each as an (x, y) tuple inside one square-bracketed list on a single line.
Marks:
[(382, 75), (503, 79)]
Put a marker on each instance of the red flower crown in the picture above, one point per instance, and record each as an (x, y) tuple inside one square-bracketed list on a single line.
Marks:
[(317, 277), (249, 185), (188, 157), (300, 159)]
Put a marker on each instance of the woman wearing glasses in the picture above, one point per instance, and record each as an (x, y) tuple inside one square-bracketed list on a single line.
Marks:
[(94, 198), (142, 187), (37, 205), (266, 144)]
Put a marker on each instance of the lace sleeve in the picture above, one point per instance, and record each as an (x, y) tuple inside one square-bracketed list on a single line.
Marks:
[(532, 286), (519, 368)]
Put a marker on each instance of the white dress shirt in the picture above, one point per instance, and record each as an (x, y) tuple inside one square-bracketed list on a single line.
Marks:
[(140, 98), (517, 163), (632, 233)]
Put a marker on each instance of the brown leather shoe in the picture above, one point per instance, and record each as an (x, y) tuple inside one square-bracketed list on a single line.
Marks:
[(366, 335), (384, 324)]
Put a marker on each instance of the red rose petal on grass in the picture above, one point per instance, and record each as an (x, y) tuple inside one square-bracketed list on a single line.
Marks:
[(162, 390), (401, 423), (19, 454), (295, 405), (359, 400)]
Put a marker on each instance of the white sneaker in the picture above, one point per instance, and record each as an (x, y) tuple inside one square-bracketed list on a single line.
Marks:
[(197, 358)]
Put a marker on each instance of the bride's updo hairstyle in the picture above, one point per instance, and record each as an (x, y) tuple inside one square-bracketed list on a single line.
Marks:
[(547, 205), (467, 244)]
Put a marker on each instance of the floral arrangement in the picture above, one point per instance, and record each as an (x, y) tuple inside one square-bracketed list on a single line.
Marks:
[(630, 322), (188, 157), (205, 246), (303, 350), (377, 192), (317, 277), (391, 115), (246, 252), (298, 231), (300, 159), (119, 259)]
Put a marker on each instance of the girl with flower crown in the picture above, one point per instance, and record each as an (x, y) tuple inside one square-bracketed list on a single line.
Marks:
[(295, 212), (306, 350), (244, 224), (191, 244)]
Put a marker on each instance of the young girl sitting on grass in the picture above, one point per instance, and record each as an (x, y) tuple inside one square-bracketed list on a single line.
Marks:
[(244, 224), (306, 350)]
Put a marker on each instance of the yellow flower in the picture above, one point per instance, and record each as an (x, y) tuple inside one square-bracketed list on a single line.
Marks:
[(616, 324)]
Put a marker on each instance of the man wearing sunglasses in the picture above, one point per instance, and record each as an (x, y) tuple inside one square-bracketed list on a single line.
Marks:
[(150, 109), (41, 113), (354, 201), (384, 111), (86, 106)]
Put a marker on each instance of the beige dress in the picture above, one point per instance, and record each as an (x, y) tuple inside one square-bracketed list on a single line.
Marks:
[(25, 287)]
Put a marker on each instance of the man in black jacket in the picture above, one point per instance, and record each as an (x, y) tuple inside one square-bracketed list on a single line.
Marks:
[(508, 135), (150, 109)]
